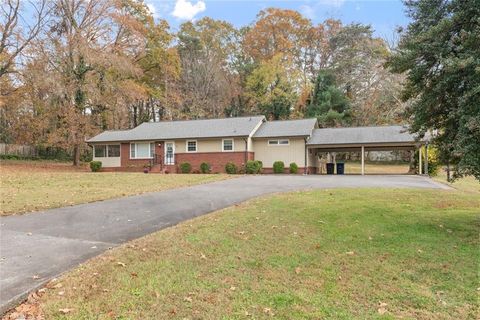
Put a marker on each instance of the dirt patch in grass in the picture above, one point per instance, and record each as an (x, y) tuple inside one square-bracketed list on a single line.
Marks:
[(371, 254), (33, 186)]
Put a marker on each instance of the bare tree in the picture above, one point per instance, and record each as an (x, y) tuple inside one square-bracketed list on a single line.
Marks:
[(16, 32)]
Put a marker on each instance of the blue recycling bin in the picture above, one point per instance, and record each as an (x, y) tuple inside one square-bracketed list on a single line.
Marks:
[(340, 168)]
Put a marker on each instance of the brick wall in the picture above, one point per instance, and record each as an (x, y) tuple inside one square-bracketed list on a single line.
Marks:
[(217, 160), (128, 164)]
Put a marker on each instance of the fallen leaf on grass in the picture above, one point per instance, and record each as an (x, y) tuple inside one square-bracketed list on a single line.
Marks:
[(65, 310), (382, 310), (233, 288), (203, 256), (188, 299), (61, 293), (121, 264), (298, 270), (350, 253), (268, 311)]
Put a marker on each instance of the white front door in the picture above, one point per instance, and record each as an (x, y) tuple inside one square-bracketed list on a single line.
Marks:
[(169, 153)]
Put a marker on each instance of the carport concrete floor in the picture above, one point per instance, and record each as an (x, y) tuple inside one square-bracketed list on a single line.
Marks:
[(38, 246)]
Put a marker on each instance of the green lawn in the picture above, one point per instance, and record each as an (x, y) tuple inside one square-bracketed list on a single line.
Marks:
[(37, 185), (329, 254)]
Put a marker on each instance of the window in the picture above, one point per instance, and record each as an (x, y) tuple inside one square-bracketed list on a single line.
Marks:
[(113, 150), (152, 150), (132, 151), (104, 151), (227, 145), (281, 142), (191, 146), (100, 151), (144, 150)]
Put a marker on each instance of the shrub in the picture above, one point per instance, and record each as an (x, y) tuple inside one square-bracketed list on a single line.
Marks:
[(253, 167), (278, 167), (293, 168), (230, 168), (17, 157), (185, 167), (204, 167), (433, 162), (95, 166)]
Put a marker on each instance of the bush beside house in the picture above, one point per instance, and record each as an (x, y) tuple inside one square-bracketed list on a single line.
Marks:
[(185, 167), (231, 168), (278, 167), (205, 167), (293, 168), (253, 167), (95, 166)]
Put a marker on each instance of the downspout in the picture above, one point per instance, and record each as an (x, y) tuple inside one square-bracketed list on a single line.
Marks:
[(305, 170), (246, 150)]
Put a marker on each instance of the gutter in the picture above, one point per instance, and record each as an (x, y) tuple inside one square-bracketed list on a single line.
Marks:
[(305, 170), (246, 150)]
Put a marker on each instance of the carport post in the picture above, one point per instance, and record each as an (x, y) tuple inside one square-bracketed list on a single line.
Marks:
[(420, 160), (425, 169), (363, 160)]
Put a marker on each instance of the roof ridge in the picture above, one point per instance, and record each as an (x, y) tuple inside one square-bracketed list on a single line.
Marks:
[(188, 120), (286, 120), (385, 126)]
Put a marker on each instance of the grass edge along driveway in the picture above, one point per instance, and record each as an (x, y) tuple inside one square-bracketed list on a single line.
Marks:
[(27, 191), (377, 254)]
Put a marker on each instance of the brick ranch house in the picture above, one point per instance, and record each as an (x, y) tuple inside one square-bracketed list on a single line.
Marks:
[(162, 146)]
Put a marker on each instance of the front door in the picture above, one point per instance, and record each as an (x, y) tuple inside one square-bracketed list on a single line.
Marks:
[(169, 153)]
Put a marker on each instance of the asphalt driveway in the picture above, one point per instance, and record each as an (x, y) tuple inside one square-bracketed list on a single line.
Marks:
[(39, 246)]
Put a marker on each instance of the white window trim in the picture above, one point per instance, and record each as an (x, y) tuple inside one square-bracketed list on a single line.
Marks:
[(233, 145), (186, 146), (136, 152), (278, 143), (106, 150)]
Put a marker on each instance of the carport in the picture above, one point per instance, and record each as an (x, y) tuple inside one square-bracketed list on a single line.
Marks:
[(363, 139)]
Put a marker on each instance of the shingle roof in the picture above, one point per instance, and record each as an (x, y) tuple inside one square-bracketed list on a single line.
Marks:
[(357, 135), (184, 129), (287, 128)]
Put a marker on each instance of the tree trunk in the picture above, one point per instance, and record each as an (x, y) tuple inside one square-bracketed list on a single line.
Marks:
[(76, 155), (448, 172)]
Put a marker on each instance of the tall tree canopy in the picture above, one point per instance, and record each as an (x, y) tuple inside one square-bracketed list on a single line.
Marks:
[(439, 52), (329, 104), (84, 66)]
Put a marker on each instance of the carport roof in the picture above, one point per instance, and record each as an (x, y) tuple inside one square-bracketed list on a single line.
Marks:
[(362, 136)]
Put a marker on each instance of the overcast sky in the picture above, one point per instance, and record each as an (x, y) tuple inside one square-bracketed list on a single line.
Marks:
[(383, 15)]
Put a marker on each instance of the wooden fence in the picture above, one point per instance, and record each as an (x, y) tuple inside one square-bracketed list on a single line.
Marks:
[(18, 149)]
